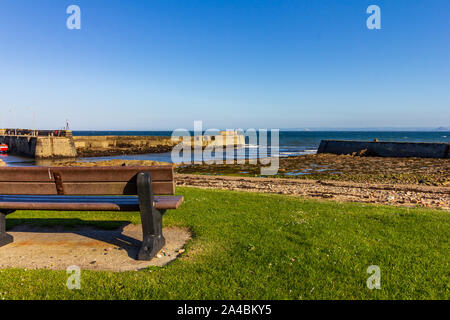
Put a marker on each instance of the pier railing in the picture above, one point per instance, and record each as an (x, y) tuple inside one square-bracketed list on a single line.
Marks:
[(36, 133)]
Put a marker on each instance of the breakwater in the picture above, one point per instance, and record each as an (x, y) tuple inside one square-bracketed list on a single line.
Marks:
[(39, 144), (386, 149), (96, 146), (55, 144)]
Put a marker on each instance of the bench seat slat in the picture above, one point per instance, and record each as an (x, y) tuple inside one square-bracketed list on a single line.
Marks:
[(82, 188), (81, 203), (80, 174)]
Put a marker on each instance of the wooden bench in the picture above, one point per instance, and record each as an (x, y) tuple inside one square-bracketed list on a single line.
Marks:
[(92, 189)]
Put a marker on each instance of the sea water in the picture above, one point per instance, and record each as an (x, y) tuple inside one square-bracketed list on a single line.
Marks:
[(292, 143)]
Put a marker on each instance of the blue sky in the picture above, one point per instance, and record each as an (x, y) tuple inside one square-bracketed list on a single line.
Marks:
[(153, 65)]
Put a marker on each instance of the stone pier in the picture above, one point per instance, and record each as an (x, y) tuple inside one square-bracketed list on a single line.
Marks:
[(54, 144), (39, 144), (387, 149)]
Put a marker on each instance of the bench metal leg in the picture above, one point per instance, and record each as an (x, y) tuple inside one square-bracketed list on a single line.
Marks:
[(153, 239), (4, 237)]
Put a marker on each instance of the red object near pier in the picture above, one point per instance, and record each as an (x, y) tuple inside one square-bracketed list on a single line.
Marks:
[(3, 148)]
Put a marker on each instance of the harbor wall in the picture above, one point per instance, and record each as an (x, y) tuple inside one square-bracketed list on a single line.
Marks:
[(54, 144), (89, 146), (103, 142), (55, 147), (224, 138), (387, 149), (40, 147)]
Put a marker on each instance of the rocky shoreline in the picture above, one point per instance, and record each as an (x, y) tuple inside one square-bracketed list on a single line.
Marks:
[(84, 153), (356, 168), (387, 194), (110, 163)]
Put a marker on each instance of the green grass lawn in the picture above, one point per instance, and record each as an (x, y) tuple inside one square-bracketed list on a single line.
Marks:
[(259, 246)]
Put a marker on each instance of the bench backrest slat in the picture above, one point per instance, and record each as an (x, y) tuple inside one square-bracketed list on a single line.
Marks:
[(82, 180)]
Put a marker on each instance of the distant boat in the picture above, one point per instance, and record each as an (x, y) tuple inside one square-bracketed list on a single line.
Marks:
[(3, 148)]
